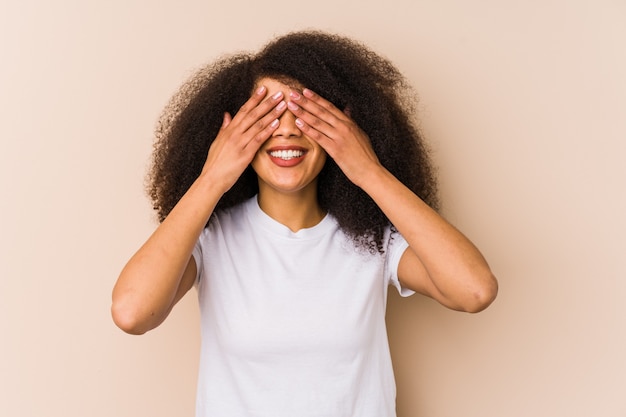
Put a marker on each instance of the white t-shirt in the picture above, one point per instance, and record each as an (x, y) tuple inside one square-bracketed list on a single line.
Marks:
[(293, 324)]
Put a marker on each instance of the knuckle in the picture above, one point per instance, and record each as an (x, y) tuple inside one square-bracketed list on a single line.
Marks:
[(259, 138), (316, 122), (315, 134), (260, 124), (348, 127), (253, 113)]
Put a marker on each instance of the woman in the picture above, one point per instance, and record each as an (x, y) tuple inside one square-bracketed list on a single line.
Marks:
[(315, 195)]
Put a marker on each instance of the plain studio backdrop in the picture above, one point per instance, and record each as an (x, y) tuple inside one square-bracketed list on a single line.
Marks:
[(523, 104)]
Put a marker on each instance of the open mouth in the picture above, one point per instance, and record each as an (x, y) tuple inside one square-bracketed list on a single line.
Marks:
[(287, 154)]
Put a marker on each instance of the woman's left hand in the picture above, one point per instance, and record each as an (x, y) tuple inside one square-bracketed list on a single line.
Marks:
[(336, 132), (440, 261)]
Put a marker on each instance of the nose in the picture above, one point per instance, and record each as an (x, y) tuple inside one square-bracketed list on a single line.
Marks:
[(287, 127)]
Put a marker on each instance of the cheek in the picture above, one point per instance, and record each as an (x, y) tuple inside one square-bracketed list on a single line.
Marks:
[(257, 162), (321, 161)]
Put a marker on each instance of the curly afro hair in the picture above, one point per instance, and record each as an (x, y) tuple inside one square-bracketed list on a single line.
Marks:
[(343, 71)]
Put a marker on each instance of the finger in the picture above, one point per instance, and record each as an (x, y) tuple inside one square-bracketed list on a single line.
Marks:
[(262, 129), (324, 123), (249, 129), (266, 120), (262, 135), (227, 119), (323, 104), (327, 143), (254, 99), (319, 108), (255, 108)]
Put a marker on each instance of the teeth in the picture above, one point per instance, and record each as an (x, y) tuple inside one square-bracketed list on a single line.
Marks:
[(287, 154)]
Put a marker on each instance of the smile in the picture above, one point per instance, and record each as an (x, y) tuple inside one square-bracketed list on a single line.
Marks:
[(287, 154)]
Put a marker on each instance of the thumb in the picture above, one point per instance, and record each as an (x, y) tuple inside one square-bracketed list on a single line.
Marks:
[(227, 119)]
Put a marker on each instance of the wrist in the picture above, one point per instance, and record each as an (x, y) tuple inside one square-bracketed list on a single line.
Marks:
[(371, 177), (212, 184)]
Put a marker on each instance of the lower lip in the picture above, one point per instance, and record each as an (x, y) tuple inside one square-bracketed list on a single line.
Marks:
[(286, 163)]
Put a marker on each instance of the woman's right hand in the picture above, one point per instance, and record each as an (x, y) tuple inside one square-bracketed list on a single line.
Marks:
[(163, 270), (240, 137)]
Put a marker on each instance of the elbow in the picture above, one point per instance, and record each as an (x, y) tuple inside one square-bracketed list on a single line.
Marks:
[(482, 295), (127, 319)]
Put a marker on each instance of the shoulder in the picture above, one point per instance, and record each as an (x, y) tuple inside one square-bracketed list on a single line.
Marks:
[(231, 216), (226, 222)]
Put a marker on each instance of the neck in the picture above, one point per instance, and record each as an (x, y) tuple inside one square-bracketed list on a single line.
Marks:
[(297, 211)]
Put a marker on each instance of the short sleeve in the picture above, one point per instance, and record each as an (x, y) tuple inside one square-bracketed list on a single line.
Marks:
[(197, 256), (396, 245)]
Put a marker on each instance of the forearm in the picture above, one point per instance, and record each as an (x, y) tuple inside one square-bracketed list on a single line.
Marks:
[(453, 264), (161, 272), (442, 263), (149, 283)]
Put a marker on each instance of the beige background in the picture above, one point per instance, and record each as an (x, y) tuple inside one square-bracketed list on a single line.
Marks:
[(524, 104)]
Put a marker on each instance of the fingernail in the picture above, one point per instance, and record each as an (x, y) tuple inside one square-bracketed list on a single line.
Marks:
[(260, 90), (281, 105), (307, 92), (299, 123), (277, 95), (274, 123), (294, 95), (292, 106)]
